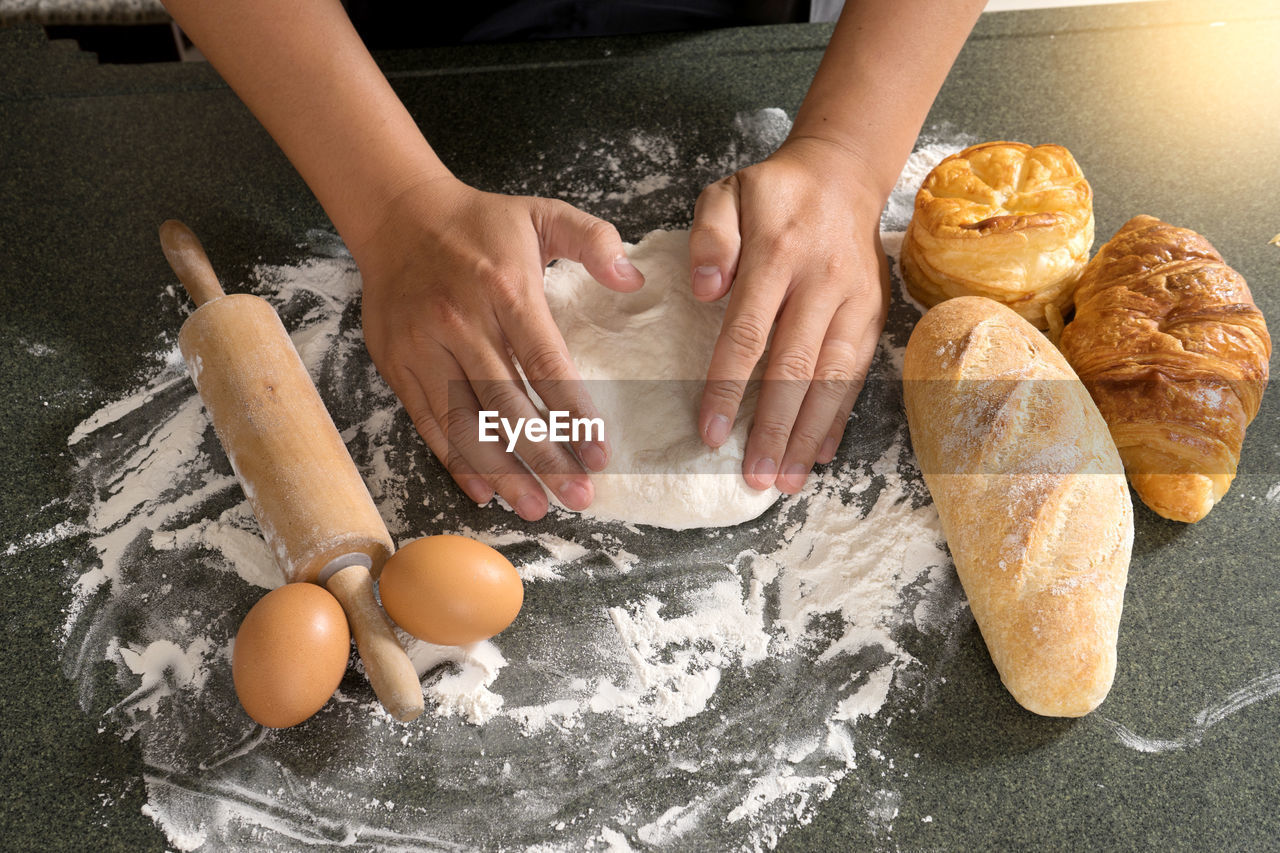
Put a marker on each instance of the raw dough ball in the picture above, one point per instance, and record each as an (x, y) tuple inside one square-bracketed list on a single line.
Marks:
[(645, 356)]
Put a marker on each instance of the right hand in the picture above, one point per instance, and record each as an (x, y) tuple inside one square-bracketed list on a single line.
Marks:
[(453, 300)]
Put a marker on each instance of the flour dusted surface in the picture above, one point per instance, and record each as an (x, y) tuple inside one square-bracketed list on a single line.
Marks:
[(707, 689), (644, 356)]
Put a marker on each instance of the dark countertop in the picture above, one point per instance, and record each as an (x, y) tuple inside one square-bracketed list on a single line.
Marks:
[(95, 12), (1172, 110)]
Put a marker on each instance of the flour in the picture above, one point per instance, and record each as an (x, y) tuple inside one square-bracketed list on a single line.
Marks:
[(1260, 688), (61, 530), (165, 668), (689, 690), (645, 180)]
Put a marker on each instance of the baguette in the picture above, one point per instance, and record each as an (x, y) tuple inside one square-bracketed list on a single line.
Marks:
[(1032, 498)]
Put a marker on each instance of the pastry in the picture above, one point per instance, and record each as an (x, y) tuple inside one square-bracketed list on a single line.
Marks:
[(1003, 220), (1169, 342)]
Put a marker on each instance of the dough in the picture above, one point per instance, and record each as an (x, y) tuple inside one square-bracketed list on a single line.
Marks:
[(644, 356)]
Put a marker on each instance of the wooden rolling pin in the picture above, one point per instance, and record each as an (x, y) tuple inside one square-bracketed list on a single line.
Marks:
[(314, 510)]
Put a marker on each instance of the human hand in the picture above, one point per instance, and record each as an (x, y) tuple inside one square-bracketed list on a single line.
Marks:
[(453, 300), (795, 242)]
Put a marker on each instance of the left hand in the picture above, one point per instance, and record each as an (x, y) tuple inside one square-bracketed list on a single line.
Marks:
[(795, 242)]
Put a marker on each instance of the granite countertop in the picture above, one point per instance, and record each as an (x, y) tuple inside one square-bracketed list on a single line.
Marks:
[(53, 12), (1171, 110)]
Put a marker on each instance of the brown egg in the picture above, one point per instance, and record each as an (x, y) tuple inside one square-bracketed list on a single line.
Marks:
[(450, 590), (290, 653)]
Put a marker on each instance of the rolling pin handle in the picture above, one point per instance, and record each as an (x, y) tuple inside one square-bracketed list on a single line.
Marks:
[(189, 262), (388, 668)]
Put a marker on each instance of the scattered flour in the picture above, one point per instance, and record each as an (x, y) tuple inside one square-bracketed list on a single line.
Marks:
[(1260, 688), (701, 690), (692, 690), (165, 668), (37, 348)]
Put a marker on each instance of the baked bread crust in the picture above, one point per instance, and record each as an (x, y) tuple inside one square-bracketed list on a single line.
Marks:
[(1031, 495), (1003, 220), (1175, 353)]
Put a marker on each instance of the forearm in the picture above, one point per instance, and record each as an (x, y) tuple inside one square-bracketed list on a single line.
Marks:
[(881, 72), (302, 70)]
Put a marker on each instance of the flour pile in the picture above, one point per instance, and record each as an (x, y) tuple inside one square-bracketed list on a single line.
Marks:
[(679, 690)]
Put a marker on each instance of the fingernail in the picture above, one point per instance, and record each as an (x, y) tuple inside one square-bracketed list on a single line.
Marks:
[(593, 456), (706, 282), (529, 508), (765, 471), (828, 450), (622, 266), (574, 495), (478, 491), (717, 430), (793, 476)]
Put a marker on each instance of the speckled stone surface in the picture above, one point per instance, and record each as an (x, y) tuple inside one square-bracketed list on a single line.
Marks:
[(1172, 110), (45, 12)]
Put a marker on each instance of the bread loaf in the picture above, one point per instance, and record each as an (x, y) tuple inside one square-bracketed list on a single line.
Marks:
[(1003, 220), (1032, 498), (1169, 342)]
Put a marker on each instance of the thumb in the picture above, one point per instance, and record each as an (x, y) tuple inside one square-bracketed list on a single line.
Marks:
[(715, 240), (566, 232)]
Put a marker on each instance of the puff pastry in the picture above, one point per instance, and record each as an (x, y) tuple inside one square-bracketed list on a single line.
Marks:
[(1003, 220), (1171, 346)]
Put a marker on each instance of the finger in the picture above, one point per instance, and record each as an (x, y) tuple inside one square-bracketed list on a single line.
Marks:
[(541, 351), (566, 232), (835, 432), (414, 398), (868, 339), (841, 368), (456, 410), (522, 430), (715, 240), (453, 436), (792, 359), (499, 389), (744, 334)]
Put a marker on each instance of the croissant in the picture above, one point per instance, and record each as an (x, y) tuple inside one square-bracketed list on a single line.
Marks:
[(1167, 339), (1004, 220)]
